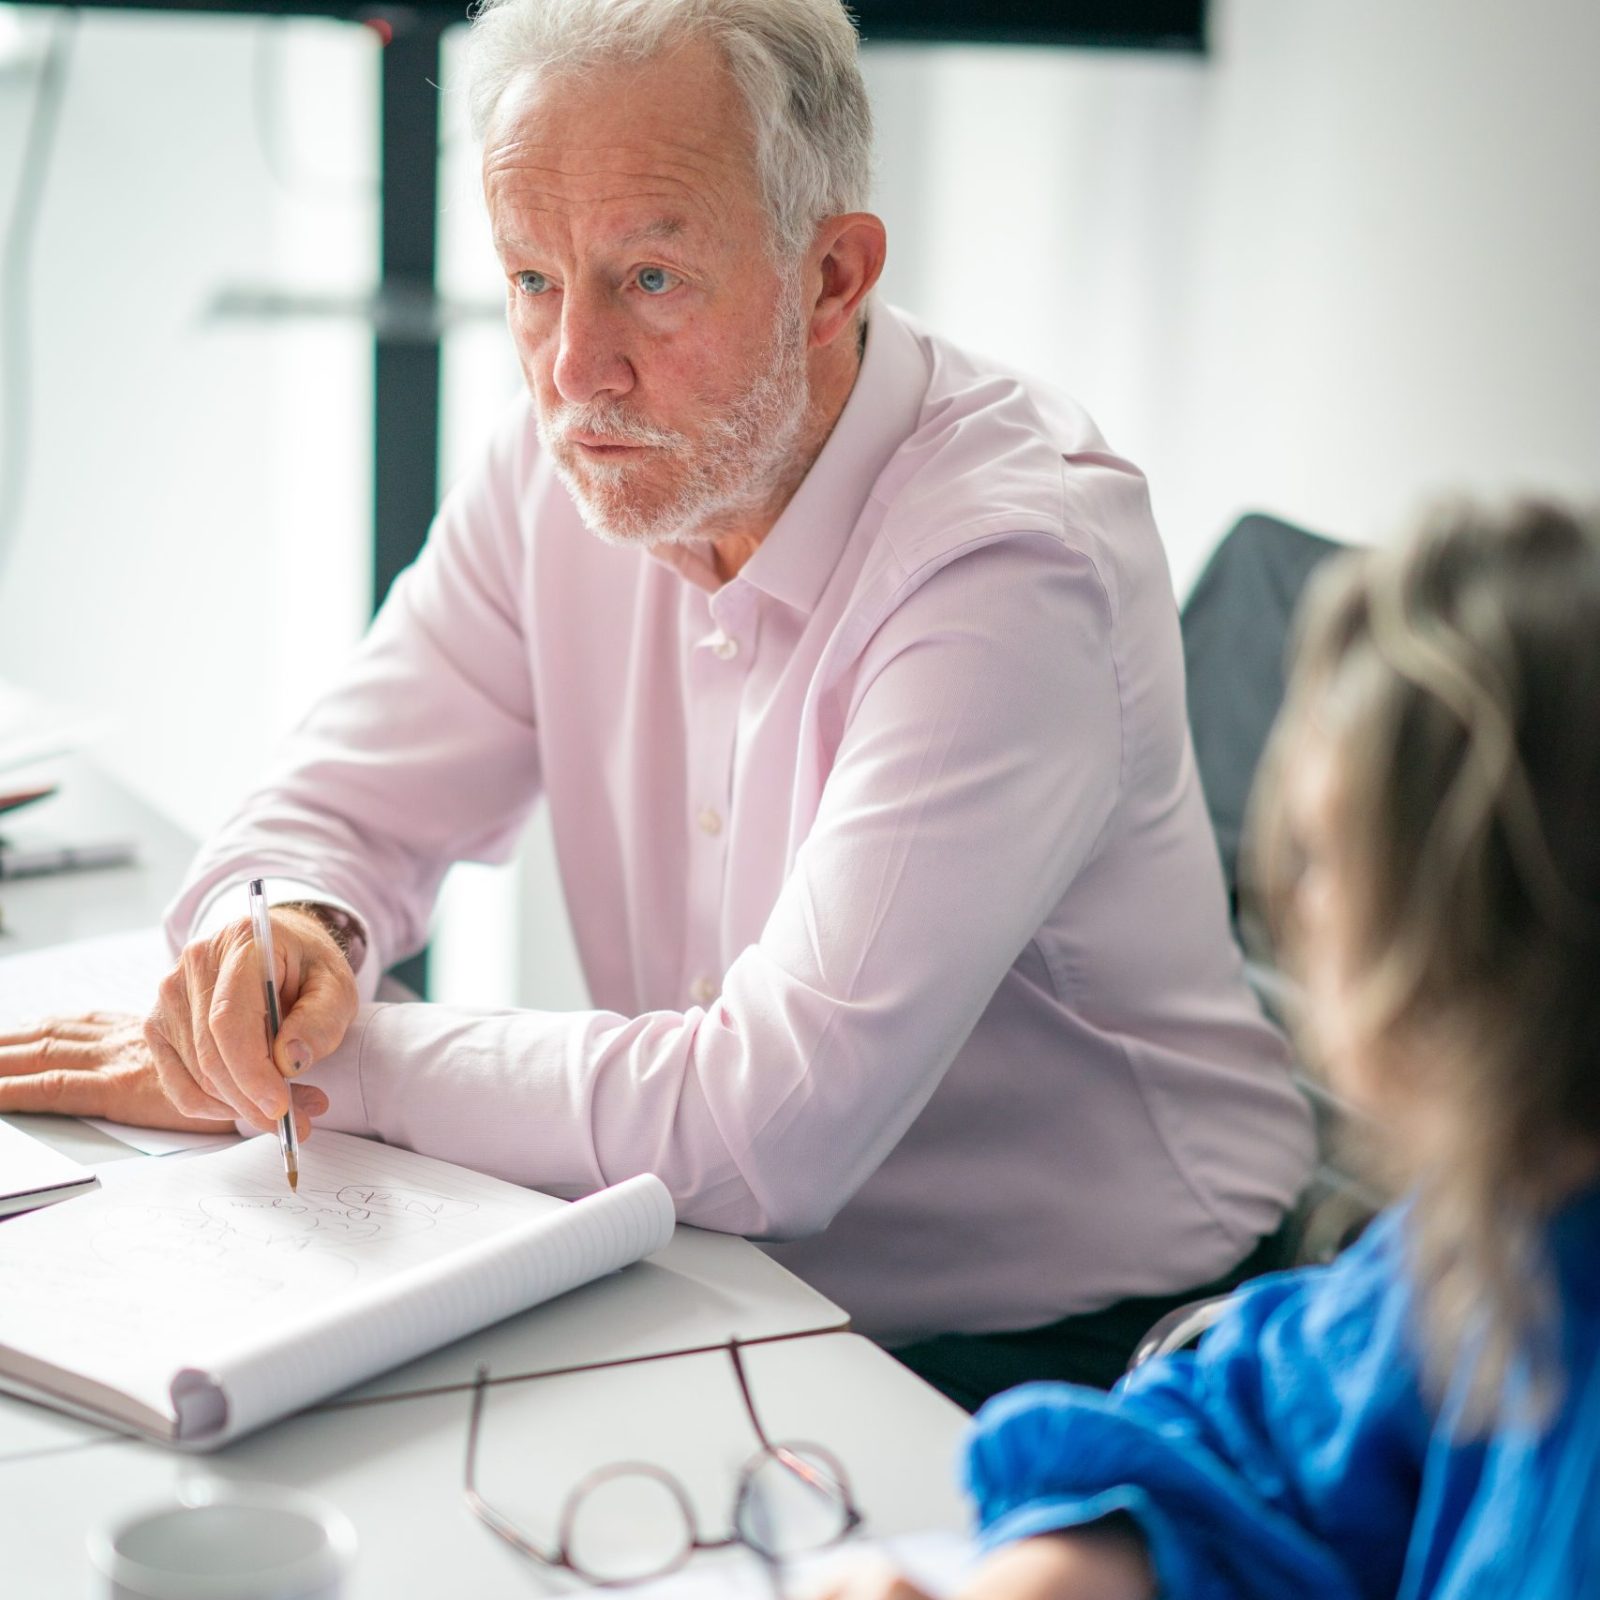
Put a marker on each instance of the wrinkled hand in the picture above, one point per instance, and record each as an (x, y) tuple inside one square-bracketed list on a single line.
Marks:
[(208, 1031), (100, 1066)]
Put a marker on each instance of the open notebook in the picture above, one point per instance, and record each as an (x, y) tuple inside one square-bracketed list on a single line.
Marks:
[(198, 1299)]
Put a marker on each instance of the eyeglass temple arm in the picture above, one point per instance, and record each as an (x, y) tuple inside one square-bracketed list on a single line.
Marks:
[(795, 1463), (749, 1398), (486, 1513)]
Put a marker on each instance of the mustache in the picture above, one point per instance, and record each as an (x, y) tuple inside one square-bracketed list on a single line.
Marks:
[(610, 422)]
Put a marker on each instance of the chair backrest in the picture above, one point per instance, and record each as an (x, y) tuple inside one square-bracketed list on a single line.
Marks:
[(1236, 626), (1180, 1329)]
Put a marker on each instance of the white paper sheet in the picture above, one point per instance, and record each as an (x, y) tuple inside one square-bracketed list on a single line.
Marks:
[(115, 972), (160, 1141)]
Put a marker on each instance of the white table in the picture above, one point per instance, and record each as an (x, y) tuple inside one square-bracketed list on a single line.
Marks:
[(394, 1468), (702, 1289), (91, 806), (389, 1453)]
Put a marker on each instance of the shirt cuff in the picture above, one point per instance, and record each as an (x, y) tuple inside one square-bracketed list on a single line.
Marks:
[(338, 1075)]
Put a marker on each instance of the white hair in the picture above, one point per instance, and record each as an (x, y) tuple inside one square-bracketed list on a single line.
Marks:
[(793, 60)]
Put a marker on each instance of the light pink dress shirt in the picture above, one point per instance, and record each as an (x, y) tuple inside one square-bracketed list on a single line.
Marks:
[(887, 863)]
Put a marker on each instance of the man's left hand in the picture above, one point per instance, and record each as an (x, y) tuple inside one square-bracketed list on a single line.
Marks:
[(100, 1066)]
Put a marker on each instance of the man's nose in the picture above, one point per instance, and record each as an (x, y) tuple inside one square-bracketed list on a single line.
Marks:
[(592, 360)]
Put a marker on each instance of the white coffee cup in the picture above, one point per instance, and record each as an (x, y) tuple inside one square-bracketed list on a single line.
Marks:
[(224, 1541)]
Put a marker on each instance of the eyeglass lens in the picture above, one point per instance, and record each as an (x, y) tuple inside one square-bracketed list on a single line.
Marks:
[(626, 1524), (792, 1500), (632, 1522)]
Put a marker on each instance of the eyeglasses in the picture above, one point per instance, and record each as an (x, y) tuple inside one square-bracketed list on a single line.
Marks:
[(790, 1498)]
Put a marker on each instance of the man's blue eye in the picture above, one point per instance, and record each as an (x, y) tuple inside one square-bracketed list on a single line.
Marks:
[(654, 280), (532, 282)]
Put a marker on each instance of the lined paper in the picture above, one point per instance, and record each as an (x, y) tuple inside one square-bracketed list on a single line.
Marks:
[(209, 1293)]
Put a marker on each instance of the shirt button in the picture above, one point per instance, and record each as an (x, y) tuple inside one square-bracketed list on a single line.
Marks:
[(724, 648), (702, 991), (710, 822)]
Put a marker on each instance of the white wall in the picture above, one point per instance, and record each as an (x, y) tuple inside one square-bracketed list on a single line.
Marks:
[(502, 933), (1346, 260), (196, 485)]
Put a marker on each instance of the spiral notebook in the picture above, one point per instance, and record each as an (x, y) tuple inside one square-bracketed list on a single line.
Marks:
[(198, 1299)]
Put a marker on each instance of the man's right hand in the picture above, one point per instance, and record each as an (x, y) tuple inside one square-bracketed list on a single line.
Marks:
[(208, 1031)]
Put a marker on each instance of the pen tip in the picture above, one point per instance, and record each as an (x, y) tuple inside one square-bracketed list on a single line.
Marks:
[(294, 1179)]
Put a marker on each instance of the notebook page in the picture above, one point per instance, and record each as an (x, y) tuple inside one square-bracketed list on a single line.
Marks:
[(187, 1260), (441, 1301)]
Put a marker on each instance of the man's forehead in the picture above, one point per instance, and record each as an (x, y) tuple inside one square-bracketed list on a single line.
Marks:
[(677, 112), (654, 230), (634, 193)]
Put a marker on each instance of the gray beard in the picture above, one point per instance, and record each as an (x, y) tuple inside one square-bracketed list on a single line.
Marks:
[(739, 465)]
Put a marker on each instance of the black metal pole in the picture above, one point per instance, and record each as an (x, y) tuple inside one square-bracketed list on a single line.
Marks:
[(405, 464), (406, 356)]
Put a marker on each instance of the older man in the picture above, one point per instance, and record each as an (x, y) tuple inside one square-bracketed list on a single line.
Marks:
[(848, 667)]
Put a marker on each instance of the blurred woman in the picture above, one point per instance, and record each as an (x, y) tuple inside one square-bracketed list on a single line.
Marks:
[(1421, 1419)]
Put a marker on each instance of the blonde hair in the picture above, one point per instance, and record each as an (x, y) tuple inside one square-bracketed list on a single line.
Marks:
[(1456, 678)]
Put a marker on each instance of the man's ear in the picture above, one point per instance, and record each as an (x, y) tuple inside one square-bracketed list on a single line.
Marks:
[(849, 251)]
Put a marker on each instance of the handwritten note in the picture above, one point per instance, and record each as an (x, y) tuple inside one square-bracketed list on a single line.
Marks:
[(219, 1247)]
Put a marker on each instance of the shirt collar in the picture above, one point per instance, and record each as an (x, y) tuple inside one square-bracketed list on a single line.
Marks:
[(799, 554)]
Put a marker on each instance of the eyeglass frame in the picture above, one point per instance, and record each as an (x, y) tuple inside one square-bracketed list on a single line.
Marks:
[(784, 1452)]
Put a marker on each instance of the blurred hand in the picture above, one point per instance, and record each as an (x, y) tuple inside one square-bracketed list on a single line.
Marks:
[(1093, 1563), (871, 1578), (208, 1032), (1097, 1562), (100, 1066)]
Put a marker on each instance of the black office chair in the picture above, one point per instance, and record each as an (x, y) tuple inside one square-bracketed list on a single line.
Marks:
[(1236, 631), (1236, 625)]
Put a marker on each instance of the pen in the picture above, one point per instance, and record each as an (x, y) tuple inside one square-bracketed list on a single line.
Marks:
[(37, 862), (262, 927)]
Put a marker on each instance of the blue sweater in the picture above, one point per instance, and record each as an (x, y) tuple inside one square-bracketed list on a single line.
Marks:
[(1295, 1455)]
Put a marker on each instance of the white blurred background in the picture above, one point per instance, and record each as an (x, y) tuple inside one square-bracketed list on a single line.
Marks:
[(1346, 261)]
